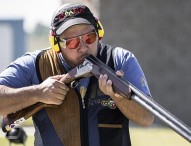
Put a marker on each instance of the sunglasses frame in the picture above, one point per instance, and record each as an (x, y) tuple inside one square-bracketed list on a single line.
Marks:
[(63, 41)]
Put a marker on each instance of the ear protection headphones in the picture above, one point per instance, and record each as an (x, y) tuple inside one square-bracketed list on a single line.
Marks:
[(100, 30), (54, 40)]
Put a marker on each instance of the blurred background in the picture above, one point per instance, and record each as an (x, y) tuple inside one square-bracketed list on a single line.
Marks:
[(157, 32)]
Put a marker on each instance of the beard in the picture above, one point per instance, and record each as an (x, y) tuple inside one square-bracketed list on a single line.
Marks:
[(74, 62)]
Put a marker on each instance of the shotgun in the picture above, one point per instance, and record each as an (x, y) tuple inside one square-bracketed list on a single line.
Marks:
[(93, 66)]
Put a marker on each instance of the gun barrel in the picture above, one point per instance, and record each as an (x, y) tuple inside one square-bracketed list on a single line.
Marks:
[(165, 116)]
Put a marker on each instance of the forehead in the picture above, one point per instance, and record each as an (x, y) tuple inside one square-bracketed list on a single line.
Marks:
[(77, 30)]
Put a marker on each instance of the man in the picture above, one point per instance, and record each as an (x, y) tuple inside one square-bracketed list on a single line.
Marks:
[(92, 114)]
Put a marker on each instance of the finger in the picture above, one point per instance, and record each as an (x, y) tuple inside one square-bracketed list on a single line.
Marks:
[(60, 96), (64, 87), (57, 77), (104, 79), (57, 101), (109, 88), (102, 82), (119, 96), (61, 85), (120, 73), (109, 83), (65, 78), (60, 90)]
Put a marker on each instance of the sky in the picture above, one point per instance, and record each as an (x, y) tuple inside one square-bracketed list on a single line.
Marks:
[(32, 11)]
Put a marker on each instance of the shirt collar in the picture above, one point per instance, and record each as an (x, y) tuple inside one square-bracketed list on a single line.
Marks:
[(67, 66)]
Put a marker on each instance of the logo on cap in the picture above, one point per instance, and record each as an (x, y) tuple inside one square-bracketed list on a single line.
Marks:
[(72, 12)]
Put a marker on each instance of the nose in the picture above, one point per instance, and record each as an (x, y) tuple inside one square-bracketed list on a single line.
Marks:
[(83, 46)]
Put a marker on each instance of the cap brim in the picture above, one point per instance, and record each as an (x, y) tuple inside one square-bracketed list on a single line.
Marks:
[(70, 23)]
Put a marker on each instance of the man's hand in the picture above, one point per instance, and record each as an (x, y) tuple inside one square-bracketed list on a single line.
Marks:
[(53, 90), (105, 84)]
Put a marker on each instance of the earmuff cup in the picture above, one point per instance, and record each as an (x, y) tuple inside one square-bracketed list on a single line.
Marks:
[(53, 40), (100, 30)]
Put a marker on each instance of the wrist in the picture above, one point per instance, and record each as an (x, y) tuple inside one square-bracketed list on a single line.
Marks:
[(36, 93)]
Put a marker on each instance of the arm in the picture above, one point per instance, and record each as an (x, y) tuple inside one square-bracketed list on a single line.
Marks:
[(15, 99), (131, 72), (51, 91), (129, 108)]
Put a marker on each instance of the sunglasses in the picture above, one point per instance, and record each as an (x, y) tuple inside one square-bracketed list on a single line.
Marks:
[(74, 43)]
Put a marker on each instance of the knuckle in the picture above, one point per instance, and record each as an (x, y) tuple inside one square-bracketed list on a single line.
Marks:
[(59, 102)]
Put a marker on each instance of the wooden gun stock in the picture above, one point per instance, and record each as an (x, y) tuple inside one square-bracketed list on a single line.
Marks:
[(11, 120)]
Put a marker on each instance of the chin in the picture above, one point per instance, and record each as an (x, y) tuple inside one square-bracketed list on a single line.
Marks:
[(74, 64), (80, 62)]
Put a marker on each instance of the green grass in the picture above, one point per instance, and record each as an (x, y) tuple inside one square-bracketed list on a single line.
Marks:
[(29, 142), (28, 122), (156, 137), (139, 137)]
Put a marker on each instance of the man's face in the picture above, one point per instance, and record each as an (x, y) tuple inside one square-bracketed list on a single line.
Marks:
[(74, 53)]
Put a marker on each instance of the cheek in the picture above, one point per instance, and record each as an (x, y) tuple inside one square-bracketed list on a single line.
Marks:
[(64, 51), (69, 53), (93, 48)]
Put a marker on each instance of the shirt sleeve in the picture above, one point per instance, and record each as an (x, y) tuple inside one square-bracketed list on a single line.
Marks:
[(126, 61), (21, 72)]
